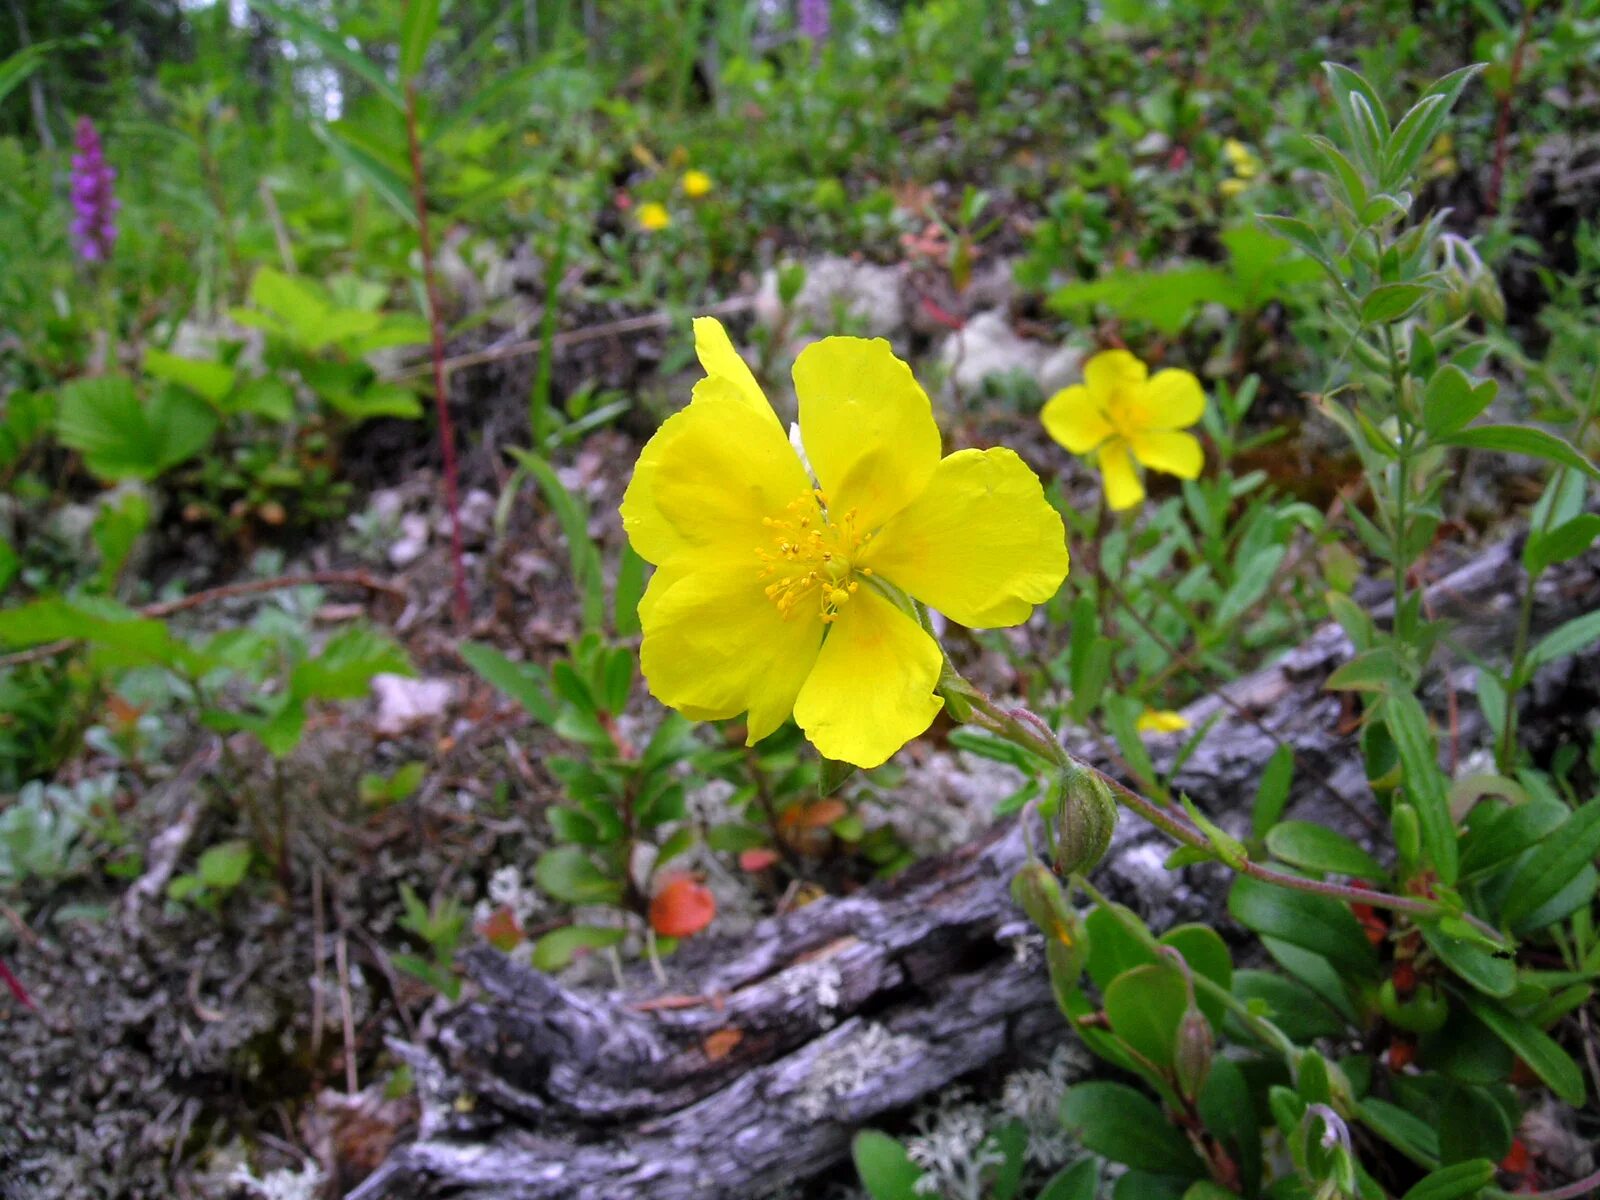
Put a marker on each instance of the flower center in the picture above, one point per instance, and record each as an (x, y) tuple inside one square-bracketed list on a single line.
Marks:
[(810, 560)]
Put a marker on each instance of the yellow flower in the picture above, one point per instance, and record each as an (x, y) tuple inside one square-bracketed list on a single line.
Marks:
[(1232, 187), (1154, 720), (696, 184), (653, 216), (1243, 160), (777, 594), (1120, 413)]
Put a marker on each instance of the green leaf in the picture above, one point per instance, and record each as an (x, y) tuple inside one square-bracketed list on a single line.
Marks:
[(526, 683), (120, 438), (331, 45), (1375, 670), (392, 188), (1493, 974), (1511, 831), (418, 26), (1451, 402), (1389, 302), (1293, 1007), (1453, 1182), (569, 875), (627, 592), (207, 379), (886, 1170), (1249, 585), (1555, 864), (222, 868), (116, 531), (1124, 1125), (1564, 640), (1272, 794), (1316, 923), (558, 947), (1424, 781), (1544, 1057), (14, 71), (1224, 1105), (1314, 847), (1080, 1181), (264, 397), (1406, 1132), (1566, 541), (1522, 439), (1144, 1006), (346, 665)]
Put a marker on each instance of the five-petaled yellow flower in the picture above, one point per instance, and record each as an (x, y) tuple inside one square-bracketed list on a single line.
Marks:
[(1120, 412), (696, 183), (653, 216), (778, 593)]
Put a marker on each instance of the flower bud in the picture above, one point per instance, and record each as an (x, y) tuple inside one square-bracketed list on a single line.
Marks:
[(1191, 1060), (1066, 938), (1407, 831), (1086, 816)]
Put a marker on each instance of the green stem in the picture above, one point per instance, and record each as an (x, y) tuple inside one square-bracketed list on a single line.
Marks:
[(1402, 481), (1031, 733)]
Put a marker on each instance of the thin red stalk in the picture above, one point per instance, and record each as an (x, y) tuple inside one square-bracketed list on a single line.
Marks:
[(14, 986), (447, 434), (1502, 124)]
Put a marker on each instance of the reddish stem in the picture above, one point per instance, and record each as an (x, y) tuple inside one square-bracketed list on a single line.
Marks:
[(447, 435), (1502, 124), (14, 986)]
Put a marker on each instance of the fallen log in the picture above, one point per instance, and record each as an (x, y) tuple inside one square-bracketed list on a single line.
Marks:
[(774, 1048)]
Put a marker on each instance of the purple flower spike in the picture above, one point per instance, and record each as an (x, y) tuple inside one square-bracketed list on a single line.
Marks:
[(94, 227), (815, 19)]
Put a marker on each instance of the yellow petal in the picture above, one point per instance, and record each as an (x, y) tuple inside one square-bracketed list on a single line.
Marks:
[(1123, 489), (1173, 399), (714, 646), (1073, 418), (708, 477), (1154, 720), (867, 426), (714, 348), (1170, 451), (981, 544), (871, 691), (1113, 374)]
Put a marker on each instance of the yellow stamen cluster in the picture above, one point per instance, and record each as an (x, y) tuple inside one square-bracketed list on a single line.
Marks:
[(813, 556)]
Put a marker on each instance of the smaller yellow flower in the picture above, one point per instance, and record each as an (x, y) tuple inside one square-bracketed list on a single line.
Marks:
[(1120, 412), (696, 184), (1243, 160), (1232, 187), (1155, 720), (653, 217)]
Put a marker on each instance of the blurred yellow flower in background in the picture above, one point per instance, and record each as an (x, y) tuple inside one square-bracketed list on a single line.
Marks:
[(696, 184), (778, 593), (1120, 413), (1246, 166), (1157, 720), (653, 216)]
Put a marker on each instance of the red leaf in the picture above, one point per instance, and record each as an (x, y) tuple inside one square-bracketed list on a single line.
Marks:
[(682, 907), (502, 930), (753, 861)]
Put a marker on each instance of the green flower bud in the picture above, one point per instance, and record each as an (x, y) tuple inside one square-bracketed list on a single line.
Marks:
[(1085, 820), (1407, 836), (1191, 1060), (1066, 938)]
